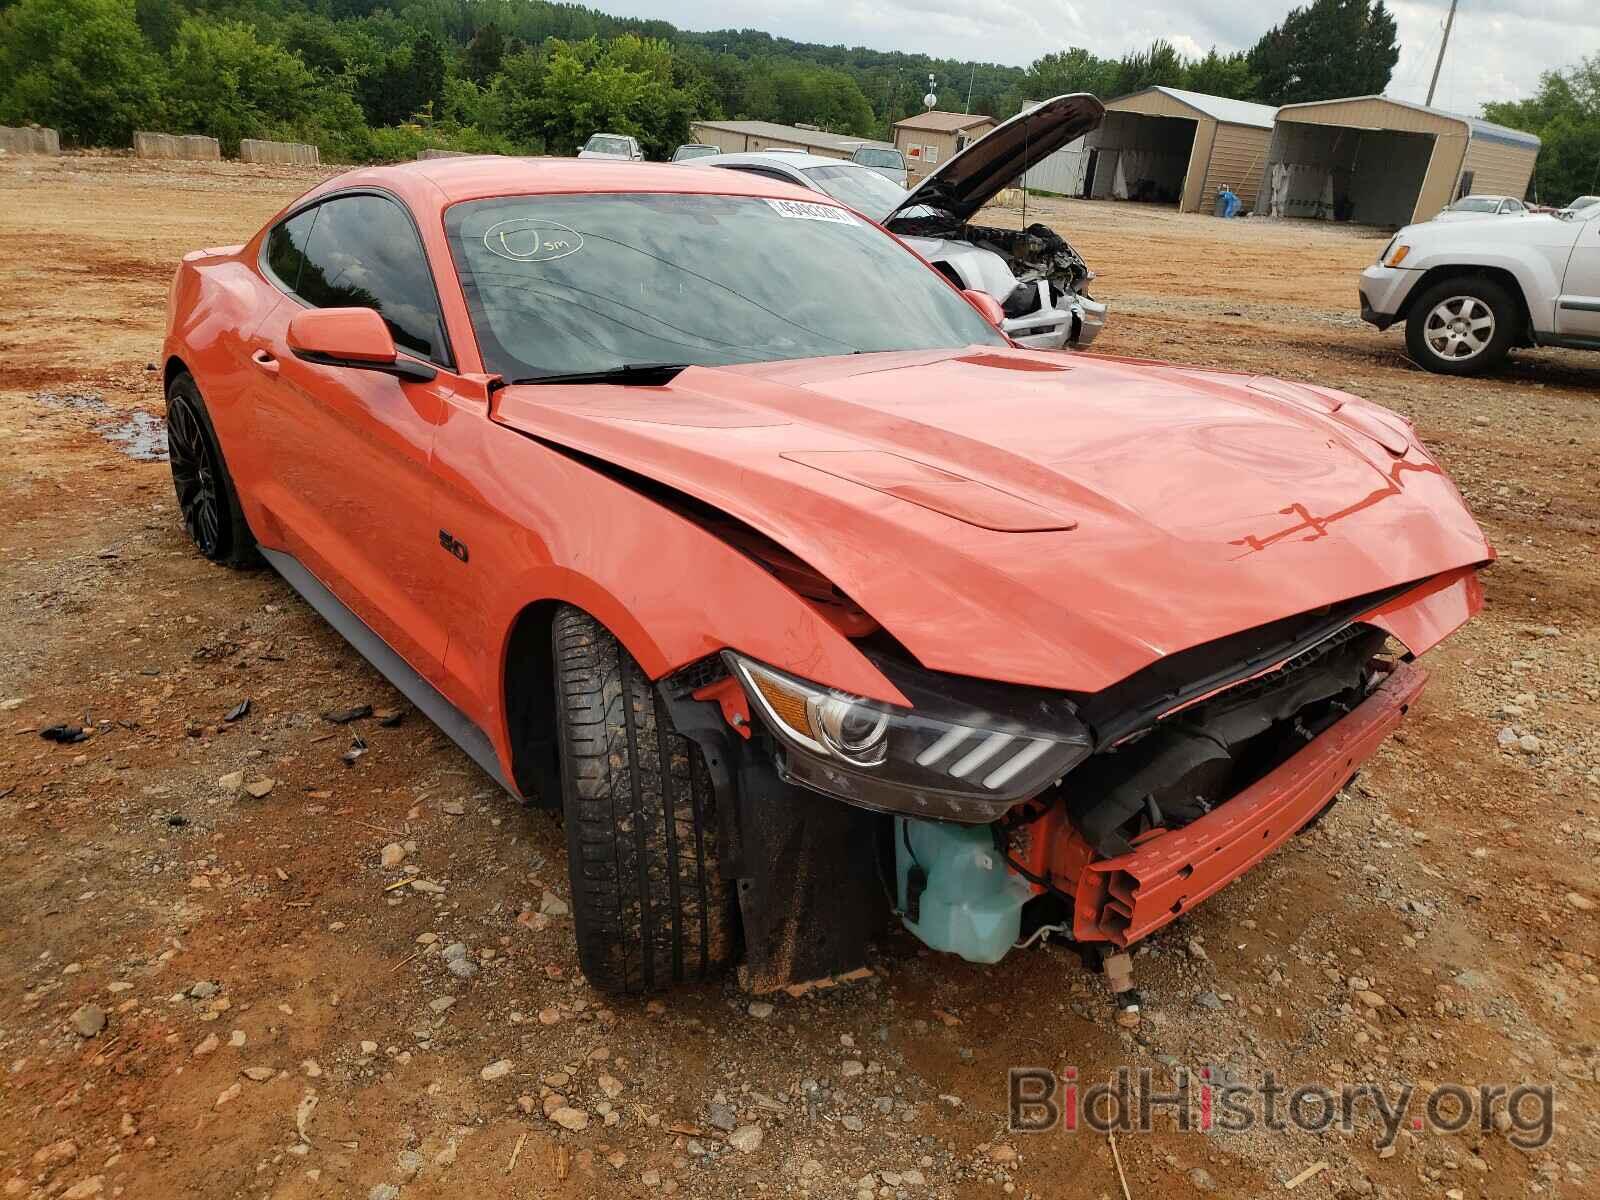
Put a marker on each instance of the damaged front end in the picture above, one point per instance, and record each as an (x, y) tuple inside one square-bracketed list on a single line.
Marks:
[(1041, 281), (986, 813)]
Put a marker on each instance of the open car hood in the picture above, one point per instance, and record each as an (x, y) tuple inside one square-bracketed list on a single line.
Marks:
[(1002, 156), (1029, 517)]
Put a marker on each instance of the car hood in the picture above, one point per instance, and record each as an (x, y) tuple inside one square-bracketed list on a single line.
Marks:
[(1031, 517), (1490, 232), (1002, 156)]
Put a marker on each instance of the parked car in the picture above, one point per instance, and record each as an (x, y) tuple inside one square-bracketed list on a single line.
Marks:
[(1471, 208), (693, 150), (1578, 205), (1036, 276), (1470, 292), (885, 160), (696, 506), (611, 145)]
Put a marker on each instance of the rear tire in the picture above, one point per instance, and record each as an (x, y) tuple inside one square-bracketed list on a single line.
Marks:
[(1462, 326), (649, 903), (208, 504)]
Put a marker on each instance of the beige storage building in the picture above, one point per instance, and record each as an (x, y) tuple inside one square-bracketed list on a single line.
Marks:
[(1376, 161), (930, 138), (1170, 146), (736, 137)]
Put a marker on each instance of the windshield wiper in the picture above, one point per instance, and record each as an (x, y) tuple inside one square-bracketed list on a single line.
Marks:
[(637, 374)]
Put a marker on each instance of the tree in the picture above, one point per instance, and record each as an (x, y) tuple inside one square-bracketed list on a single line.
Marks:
[(792, 93), (1328, 48), (81, 66), (228, 84), (1161, 65), (1221, 75), (485, 52), (1565, 113), (1063, 72), (407, 81), (622, 86)]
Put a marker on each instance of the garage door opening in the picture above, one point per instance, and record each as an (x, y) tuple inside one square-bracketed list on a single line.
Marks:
[(1137, 157), (1342, 173)]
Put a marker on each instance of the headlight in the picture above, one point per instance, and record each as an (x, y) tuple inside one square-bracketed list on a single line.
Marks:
[(947, 757)]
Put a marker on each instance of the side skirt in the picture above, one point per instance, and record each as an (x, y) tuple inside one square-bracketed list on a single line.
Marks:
[(429, 700)]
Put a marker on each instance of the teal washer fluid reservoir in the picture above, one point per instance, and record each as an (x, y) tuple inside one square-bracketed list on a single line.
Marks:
[(955, 891)]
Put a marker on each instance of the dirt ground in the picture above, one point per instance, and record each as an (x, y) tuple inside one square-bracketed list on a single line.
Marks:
[(280, 1021)]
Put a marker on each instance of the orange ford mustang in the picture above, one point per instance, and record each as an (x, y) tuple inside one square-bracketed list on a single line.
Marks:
[(699, 507)]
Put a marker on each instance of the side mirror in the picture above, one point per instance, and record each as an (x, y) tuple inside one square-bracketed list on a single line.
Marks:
[(987, 305), (355, 338)]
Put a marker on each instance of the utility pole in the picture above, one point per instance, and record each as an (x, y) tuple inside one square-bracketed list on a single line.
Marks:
[(1449, 22)]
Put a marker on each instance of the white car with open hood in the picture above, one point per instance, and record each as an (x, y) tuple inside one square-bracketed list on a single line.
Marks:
[(1470, 291), (1040, 281)]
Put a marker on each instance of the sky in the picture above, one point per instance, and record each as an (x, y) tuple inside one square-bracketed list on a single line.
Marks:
[(1497, 50)]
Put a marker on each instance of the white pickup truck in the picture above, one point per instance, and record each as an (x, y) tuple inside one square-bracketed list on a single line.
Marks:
[(1470, 291)]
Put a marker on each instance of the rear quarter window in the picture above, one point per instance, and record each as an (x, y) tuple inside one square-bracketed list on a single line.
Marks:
[(286, 248)]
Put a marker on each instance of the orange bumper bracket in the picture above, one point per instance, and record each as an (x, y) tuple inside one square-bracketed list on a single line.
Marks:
[(1123, 899)]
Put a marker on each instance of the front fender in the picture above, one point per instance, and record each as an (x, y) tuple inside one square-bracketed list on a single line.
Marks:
[(542, 526)]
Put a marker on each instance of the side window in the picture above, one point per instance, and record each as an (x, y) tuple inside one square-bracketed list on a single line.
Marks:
[(286, 247), (363, 253)]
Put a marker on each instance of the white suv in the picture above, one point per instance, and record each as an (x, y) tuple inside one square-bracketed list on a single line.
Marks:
[(1469, 292)]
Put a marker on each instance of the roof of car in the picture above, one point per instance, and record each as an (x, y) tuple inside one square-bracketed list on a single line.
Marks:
[(783, 158), (480, 176)]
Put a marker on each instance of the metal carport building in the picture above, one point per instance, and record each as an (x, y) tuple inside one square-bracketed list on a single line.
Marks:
[(1377, 161), (1175, 147)]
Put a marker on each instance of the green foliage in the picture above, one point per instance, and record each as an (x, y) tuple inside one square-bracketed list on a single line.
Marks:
[(82, 66), (1221, 75), (226, 83), (1328, 48), (791, 92), (485, 52), (1078, 70), (622, 86), (1565, 113), (369, 79)]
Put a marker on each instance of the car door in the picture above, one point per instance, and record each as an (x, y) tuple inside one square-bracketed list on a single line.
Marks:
[(1578, 306), (350, 487)]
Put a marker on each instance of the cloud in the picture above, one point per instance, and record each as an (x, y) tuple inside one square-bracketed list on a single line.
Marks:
[(1498, 48)]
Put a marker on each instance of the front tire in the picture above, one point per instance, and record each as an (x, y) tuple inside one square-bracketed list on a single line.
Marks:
[(1462, 326), (649, 903), (207, 501)]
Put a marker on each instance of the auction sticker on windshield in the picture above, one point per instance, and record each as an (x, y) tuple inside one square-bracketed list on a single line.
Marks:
[(800, 210)]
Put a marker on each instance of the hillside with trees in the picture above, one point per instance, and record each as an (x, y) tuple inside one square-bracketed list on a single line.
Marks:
[(380, 79)]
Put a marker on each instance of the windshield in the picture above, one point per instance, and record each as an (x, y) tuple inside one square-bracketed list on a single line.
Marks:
[(1475, 204), (687, 152), (863, 190), (562, 284), (867, 156), (1583, 202), (608, 145)]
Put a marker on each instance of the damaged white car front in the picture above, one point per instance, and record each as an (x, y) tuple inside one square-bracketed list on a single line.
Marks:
[(1041, 281)]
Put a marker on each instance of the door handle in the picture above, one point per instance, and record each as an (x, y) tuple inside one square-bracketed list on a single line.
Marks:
[(265, 361)]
